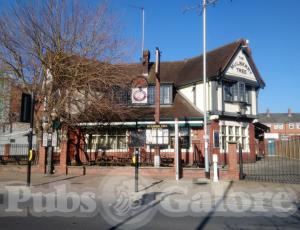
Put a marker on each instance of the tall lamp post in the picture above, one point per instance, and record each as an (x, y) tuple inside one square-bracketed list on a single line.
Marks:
[(205, 4), (204, 91)]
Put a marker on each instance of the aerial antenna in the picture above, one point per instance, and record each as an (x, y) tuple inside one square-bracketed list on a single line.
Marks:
[(200, 7), (143, 25)]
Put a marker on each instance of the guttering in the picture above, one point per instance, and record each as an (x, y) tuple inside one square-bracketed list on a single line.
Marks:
[(133, 123)]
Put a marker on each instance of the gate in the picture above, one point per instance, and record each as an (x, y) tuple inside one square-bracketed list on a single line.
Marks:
[(279, 163)]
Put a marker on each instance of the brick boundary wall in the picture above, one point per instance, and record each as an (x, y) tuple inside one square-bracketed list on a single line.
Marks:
[(232, 173)]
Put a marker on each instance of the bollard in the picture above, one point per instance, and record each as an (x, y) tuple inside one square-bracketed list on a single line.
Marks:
[(215, 162)]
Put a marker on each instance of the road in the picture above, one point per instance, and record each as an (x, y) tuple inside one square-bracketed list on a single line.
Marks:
[(93, 202)]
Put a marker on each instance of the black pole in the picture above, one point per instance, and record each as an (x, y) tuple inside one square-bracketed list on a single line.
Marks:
[(136, 175), (30, 135), (241, 162)]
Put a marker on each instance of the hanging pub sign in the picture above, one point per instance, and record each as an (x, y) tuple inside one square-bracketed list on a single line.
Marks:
[(139, 95)]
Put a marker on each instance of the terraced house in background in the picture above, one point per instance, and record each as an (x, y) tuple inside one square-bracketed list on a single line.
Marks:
[(282, 125)]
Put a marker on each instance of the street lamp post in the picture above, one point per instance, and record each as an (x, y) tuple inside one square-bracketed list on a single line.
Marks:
[(204, 92)]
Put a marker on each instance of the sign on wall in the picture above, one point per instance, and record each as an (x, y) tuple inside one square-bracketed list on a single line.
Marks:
[(271, 135), (157, 136), (137, 138), (241, 68), (139, 95)]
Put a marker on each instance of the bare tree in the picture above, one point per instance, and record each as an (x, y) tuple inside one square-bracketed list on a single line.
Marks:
[(69, 54)]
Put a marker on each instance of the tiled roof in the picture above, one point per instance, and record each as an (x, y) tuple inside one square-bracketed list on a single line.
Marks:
[(191, 70), (180, 109), (278, 118)]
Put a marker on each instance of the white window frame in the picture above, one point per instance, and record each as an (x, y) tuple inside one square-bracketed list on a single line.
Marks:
[(278, 126), (224, 135), (298, 125), (291, 125), (117, 135)]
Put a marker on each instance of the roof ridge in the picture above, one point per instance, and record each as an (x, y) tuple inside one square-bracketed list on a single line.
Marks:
[(217, 48)]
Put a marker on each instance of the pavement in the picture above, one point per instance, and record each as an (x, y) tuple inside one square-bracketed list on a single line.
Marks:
[(110, 202)]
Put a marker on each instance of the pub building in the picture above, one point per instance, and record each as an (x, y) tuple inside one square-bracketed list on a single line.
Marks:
[(233, 84)]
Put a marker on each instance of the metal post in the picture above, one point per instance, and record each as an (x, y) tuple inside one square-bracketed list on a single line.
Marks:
[(49, 158), (204, 93), (215, 162), (241, 162), (30, 135), (143, 30), (177, 159), (136, 175), (157, 102)]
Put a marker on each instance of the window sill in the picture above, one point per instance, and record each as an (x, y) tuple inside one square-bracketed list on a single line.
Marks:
[(238, 102)]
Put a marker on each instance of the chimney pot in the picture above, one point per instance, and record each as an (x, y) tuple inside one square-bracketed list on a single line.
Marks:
[(289, 112), (145, 62)]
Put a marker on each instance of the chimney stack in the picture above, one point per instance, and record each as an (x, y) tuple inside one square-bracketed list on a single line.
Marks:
[(268, 113), (145, 62), (289, 112), (245, 45)]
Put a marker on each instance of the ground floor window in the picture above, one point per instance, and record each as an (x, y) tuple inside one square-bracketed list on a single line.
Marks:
[(105, 140), (234, 131), (184, 138), (118, 139)]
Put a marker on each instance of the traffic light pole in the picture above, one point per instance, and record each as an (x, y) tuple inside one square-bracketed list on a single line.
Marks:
[(136, 172), (30, 137)]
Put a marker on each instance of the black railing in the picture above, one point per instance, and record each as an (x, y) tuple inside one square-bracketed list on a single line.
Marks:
[(276, 161), (17, 154)]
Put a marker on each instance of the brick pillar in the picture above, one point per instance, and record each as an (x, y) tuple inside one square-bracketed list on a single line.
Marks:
[(233, 169), (6, 152), (252, 142), (63, 168), (214, 126), (42, 158)]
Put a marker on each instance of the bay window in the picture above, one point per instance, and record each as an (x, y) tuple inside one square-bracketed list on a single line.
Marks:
[(237, 92), (233, 131)]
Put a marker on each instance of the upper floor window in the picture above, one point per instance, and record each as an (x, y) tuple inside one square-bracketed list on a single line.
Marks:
[(123, 96), (298, 125), (166, 94), (291, 126), (237, 92), (278, 126)]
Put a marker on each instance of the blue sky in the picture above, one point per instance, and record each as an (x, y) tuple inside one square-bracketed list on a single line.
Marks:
[(272, 27)]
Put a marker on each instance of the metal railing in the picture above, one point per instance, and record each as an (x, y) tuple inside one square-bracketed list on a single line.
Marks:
[(276, 161), (17, 154)]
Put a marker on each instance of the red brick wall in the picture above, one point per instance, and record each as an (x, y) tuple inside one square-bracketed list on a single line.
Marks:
[(252, 144), (286, 130)]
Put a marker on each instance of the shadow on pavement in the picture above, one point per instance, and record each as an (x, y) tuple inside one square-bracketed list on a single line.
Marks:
[(206, 219)]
